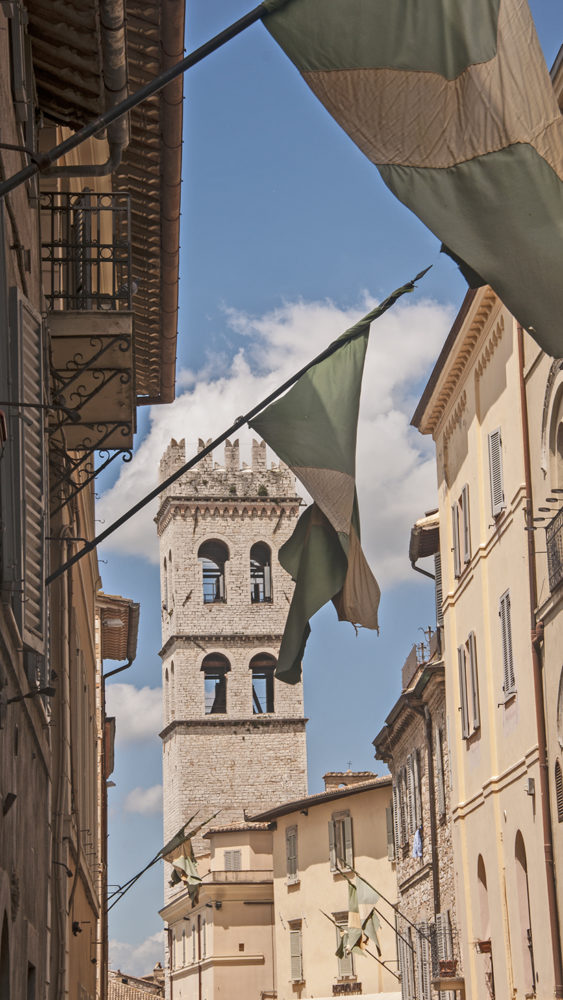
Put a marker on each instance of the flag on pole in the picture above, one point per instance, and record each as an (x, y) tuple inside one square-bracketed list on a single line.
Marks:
[(180, 854), (313, 430), (452, 100), (363, 922)]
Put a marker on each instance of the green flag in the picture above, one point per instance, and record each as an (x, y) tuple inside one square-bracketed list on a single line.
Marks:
[(452, 100), (313, 430), (363, 922)]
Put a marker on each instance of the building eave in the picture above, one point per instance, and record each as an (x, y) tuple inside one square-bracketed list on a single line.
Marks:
[(309, 801)]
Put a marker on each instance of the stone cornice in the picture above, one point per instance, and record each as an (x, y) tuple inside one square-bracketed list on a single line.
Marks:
[(221, 638), (228, 722), (231, 506), (454, 364)]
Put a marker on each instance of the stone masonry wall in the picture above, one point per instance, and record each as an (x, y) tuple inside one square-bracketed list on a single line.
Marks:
[(232, 761)]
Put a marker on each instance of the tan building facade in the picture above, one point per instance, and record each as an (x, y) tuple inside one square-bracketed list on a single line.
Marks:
[(476, 408), (312, 837)]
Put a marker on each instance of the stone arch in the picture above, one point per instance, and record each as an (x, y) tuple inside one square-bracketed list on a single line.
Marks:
[(213, 555), (215, 667)]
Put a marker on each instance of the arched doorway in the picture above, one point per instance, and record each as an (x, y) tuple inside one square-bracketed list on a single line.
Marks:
[(525, 923), (484, 945)]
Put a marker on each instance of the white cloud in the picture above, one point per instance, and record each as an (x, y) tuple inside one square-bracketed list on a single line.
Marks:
[(137, 959), (138, 711), (146, 801), (396, 477)]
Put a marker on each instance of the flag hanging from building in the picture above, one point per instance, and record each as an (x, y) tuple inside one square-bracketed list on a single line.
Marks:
[(363, 922), (313, 430), (452, 100)]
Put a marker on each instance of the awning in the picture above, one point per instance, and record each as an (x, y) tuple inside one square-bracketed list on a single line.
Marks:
[(425, 537)]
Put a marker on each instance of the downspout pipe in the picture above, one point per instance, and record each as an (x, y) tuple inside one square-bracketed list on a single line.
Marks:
[(536, 638), (425, 572), (114, 58)]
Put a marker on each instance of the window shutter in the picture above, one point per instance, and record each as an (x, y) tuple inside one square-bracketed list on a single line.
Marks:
[(559, 791), (476, 720), (397, 818), (463, 692), (203, 938), (291, 851), (232, 861), (194, 953), (389, 816), (439, 593), (348, 842), (403, 968), (183, 946), (346, 963), (424, 947), (465, 523), (455, 539), (410, 795), (410, 966), (440, 787), (417, 788), (495, 473), (404, 808), (296, 955), (332, 845), (509, 685), (28, 474)]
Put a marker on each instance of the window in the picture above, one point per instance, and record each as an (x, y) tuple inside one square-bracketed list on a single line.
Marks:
[(215, 668), (439, 593), (296, 951), (406, 962), (262, 667), (474, 685), (559, 791), (260, 573), (213, 556), (461, 534), (509, 682), (389, 817), (423, 963), (291, 854), (183, 945), (341, 849), (232, 861), (496, 480), (346, 960), (444, 941)]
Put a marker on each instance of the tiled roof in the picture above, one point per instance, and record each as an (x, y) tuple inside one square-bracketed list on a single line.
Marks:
[(320, 797), (237, 827), (124, 987)]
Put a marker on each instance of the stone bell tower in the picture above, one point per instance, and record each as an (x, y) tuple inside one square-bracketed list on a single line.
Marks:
[(234, 736)]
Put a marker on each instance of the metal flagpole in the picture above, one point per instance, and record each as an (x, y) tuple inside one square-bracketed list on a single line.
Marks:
[(355, 331), (44, 160)]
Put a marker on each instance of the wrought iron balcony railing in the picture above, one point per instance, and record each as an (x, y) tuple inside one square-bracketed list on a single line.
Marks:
[(554, 533), (86, 250)]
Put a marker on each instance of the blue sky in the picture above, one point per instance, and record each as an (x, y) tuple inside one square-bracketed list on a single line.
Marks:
[(288, 233)]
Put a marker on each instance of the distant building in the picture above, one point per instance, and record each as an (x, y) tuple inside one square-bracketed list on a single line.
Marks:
[(233, 736), (343, 827), (122, 986), (414, 743)]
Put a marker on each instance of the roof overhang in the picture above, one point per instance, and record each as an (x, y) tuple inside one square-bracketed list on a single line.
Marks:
[(119, 626), (425, 537)]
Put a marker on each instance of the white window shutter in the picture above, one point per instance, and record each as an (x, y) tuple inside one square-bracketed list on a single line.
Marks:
[(348, 842), (332, 845), (495, 473), (424, 945), (296, 955), (440, 785), (463, 692), (475, 712), (509, 682), (389, 817), (465, 523), (232, 861), (410, 966), (455, 540), (411, 794), (346, 963)]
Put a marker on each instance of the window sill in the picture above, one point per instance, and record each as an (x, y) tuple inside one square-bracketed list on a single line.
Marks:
[(292, 881), (508, 698)]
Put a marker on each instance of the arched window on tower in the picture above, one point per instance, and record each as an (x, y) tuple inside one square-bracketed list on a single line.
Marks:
[(260, 573), (215, 668), (213, 555), (262, 667)]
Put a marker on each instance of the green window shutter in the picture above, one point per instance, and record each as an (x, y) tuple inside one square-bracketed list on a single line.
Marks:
[(291, 851), (332, 845), (389, 817), (348, 842), (439, 593), (455, 540), (509, 682), (296, 954), (463, 691), (440, 785), (496, 479), (476, 715)]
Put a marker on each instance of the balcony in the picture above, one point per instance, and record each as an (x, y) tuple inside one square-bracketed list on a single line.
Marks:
[(248, 877), (554, 536), (86, 268)]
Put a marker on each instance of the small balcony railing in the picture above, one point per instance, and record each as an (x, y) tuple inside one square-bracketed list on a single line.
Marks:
[(554, 533), (86, 250)]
